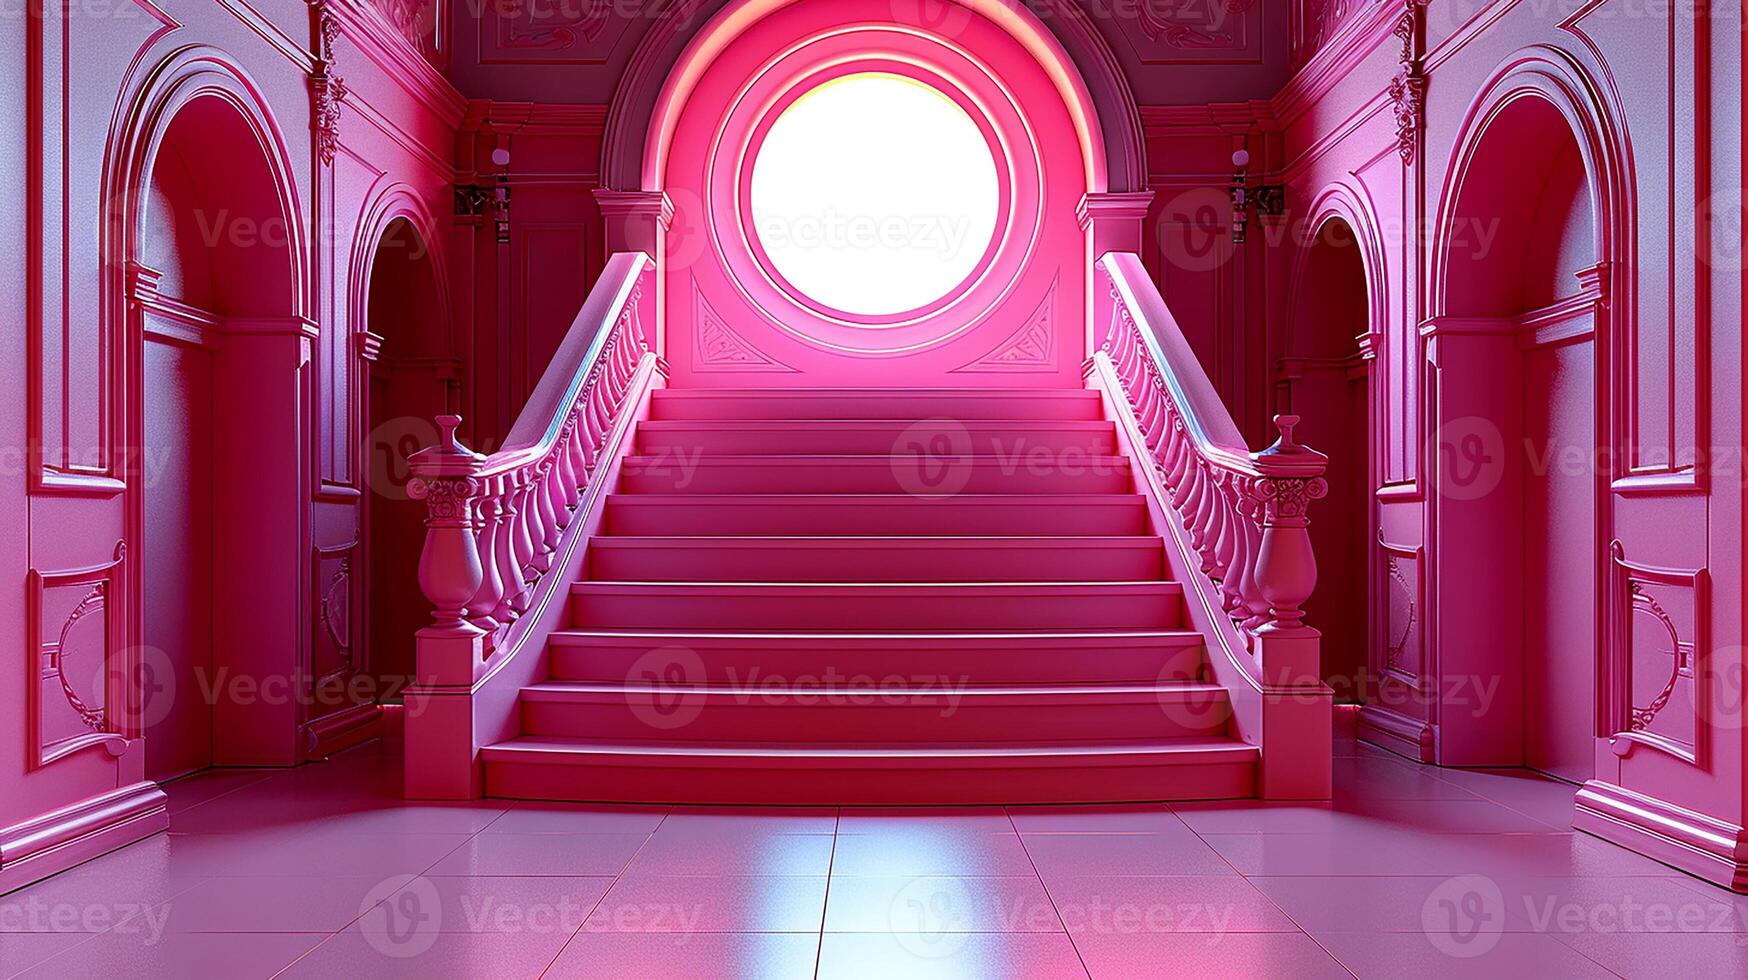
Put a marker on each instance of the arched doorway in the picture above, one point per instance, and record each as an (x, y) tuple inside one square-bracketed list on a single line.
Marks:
[(411, 382), (1325, 379), (1522, 483), (213, 287)]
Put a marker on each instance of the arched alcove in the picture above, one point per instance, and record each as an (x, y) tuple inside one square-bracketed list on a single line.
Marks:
[(1325, 379), (410, 378), (1521, 271), (214, 294)]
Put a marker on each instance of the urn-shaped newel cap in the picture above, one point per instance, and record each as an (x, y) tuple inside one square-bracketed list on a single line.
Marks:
[(1287, 448), (446, 425), (448, 447), (1285, 423)]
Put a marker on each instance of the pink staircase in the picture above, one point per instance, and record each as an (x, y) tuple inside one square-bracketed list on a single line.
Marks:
[(770, 614)]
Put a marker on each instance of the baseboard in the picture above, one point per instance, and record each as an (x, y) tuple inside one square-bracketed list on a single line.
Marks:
[(1703, 846), (1396, 732), (34, 849), (342, 730)]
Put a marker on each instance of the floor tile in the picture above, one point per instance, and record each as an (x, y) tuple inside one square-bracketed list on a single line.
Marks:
[(540, 854), (948, 956), (87, 902), (1201, 904), (1096, 855), (928, 853), (738, 854), (1664, 956), (268, 904), (725, 903), (769, 820), (1499, 856), (1193, 956), (943, 819), (1360, 815), (940, 904), (1388, 779), (719, 956), (201, 787), (577, 818), (1143, 818), (426, 954), (19, 951), (499, 903), (173, 956), (1483, 956)]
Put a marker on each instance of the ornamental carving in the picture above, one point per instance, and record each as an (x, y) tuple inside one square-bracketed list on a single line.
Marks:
[(1197, 25), (1408, 88), (330, 90), (446, 498), (1285, 500)]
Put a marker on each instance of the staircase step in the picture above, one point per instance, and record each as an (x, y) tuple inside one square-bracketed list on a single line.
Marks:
[(984, 658), (909, 404), (883, 559), (877, 606), (930, 707), (870, 514), (925, 476), (872, 774), (1001, 438)]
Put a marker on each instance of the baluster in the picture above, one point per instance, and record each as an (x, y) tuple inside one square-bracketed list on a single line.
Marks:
[(545, 532), (504, 551), (482, 610), (522, 541)]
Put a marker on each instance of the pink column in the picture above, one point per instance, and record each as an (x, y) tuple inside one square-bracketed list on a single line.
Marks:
[(638, 221)]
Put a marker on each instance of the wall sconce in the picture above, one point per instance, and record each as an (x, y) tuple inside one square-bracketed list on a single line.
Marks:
[(1269, 199), (476, 200)]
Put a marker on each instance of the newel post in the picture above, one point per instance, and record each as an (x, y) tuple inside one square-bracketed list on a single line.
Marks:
[(1286, 568), (441, 762), (1297, 705)]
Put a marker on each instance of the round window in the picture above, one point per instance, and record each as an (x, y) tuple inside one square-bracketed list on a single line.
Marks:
[(874, 195)]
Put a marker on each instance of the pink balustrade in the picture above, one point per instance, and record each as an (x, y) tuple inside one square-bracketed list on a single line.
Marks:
[(1236, 524), (495, 522), (1246, 512)]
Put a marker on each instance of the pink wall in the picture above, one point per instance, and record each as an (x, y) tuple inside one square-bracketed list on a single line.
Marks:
[(166, 634), (1642, 351)]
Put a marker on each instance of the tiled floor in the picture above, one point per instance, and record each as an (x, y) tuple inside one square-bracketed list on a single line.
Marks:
[(322, 872)]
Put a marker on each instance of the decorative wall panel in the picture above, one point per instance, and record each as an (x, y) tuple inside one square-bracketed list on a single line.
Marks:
[(1656, 683), (74, 636)]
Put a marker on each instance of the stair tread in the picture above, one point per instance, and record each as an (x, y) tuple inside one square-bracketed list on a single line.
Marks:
[(881, 540), (812, 636), (791, 459), (801, 392), (1160, 586), (789, 499), (780, 425), (559, 688), (563, 745)]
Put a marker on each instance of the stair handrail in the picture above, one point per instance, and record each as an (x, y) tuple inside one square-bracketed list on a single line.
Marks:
[(1246, 512), (494, 522)]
